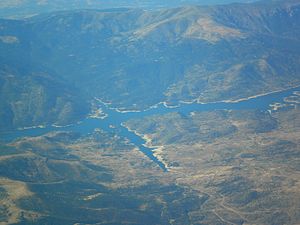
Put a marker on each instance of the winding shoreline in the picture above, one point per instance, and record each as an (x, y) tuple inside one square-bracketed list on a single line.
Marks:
[(194, 101), (115, 120)]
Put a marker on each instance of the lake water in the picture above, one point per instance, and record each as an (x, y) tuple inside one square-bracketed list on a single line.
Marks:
[(112, 123)]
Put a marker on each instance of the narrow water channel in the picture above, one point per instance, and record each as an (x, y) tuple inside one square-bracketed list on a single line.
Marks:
[(113, 121)]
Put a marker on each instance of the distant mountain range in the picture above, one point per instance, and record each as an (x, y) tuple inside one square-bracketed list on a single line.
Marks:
[(25, 8), (53, 65)]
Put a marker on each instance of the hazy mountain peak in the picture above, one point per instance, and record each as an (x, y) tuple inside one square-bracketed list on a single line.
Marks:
[(208, 29)]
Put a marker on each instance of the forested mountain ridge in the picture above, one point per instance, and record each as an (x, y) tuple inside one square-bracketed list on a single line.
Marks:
[(191, 53)]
